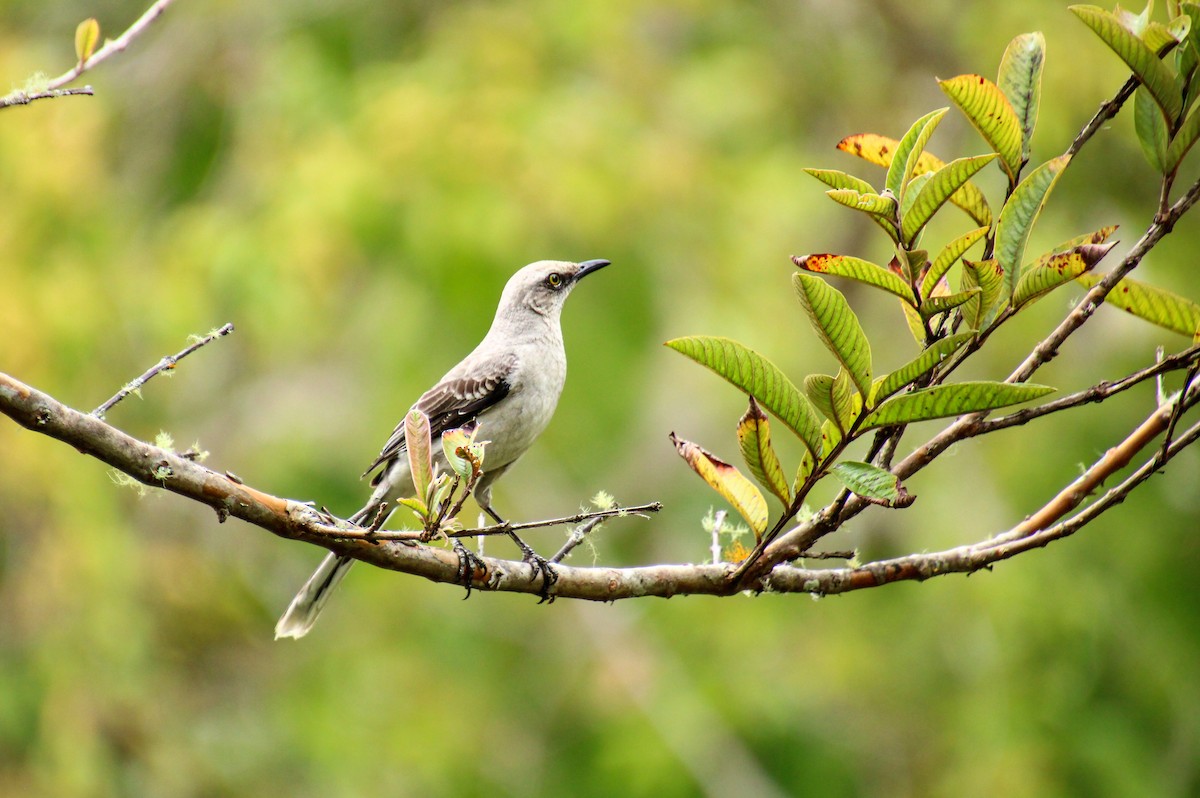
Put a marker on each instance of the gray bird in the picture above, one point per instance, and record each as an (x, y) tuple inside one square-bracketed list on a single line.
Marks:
[(508, 387)]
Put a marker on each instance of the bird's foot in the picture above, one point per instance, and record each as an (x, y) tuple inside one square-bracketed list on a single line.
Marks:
[(468, 564), (540, 565)]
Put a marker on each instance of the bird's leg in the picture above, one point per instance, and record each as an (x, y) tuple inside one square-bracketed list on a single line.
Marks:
[(468, 564), (537, 562)]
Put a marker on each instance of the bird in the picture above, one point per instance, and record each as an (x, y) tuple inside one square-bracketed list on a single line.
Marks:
[(507, 388)]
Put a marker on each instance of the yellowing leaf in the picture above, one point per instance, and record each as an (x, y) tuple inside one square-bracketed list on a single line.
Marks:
[(857, 269), (727, 481), (87, 35), (1155, 305), (1057, 270), (879, 150), (754, 439), (758, 377), (836, 326), (989, 111)]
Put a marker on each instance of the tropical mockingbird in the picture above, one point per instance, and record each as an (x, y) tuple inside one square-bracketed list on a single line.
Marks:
[(508, 387)]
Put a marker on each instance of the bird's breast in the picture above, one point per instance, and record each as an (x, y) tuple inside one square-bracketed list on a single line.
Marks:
[(514, 424)]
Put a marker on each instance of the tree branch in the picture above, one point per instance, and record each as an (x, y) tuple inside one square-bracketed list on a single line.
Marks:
[(110, 48), (166, 364)]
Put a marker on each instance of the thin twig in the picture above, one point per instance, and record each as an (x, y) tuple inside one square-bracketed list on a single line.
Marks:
[(577, 536), (110, 48), (166, 364), (1188, 358), (20, 97), (1107, 111), (495, 529), (1181, 406)]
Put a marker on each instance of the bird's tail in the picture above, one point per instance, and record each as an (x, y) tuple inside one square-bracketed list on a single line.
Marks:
[(307, 605)]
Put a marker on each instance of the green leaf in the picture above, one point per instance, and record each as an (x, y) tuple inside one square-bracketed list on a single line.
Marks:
[(988, 276), (942, 185), (940, 304), (873, 483), (835, 179), (878, 150), (1020, 79), (880, 208), (1057, 270), (918, 366), (754, 439), (87, 36), (948, 257), (1158, 37), (1019, 214), (944, 401), (1188, 132), (989, 111), (819, 390), (1145, 63), (1151, 129), (904, 158), (836, 326), (835, 397), (420, 454), (857, 269), (1155, 305), (758, 377), (727, 481)]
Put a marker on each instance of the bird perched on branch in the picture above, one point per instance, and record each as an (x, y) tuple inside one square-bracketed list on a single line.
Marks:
[(507, 387)]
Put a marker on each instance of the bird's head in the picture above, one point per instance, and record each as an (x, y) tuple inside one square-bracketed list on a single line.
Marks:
[(542, 287)]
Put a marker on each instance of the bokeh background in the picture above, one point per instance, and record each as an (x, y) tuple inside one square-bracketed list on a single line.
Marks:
[(351, 184)]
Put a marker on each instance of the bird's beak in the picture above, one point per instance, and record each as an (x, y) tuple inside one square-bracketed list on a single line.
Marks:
[(589, 266)]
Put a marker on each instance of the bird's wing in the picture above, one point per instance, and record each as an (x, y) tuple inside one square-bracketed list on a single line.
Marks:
[(455, 402)]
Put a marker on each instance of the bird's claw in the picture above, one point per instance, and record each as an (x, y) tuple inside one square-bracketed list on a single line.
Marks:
[(540, 565), (468, 564)]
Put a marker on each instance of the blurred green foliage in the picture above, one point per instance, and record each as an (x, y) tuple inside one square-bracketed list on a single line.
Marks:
[(351, 185)]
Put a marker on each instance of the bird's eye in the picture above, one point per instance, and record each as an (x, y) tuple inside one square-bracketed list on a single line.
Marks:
[(555, 280)]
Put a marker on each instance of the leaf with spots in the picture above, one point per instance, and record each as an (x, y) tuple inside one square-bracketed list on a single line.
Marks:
[(990, 112), (878, 150), (1057, 270), (988, 276), (857, 269), (1155, 305)]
